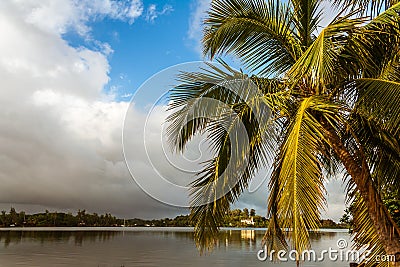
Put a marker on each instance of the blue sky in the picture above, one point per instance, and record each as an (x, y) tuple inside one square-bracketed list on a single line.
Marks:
[(146, 46)]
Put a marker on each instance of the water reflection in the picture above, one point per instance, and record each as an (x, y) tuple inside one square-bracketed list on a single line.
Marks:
[(75, 237), (247, 234), (140, 247)]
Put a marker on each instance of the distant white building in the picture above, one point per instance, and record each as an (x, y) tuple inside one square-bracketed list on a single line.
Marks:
[(248, 221)]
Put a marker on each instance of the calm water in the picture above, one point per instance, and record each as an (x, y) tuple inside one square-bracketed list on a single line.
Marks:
[(139, 247)]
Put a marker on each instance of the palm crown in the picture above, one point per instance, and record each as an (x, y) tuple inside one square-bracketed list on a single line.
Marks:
[(325, 103)]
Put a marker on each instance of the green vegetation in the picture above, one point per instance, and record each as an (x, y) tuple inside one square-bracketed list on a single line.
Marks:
[(318, 101), (59, 219), (392, 202), (231, 219), (234, 219)]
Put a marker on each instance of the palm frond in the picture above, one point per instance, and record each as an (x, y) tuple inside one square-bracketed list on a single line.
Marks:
[(297, 179), (390, 15), (378, 101), (186, 120), (381, 150), (364, 235), (371, 7), (372, 51), (307, 17), (319, 63), (229, 108), (259, 33)]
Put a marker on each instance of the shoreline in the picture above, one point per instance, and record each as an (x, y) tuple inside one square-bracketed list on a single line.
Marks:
[(142, 228)]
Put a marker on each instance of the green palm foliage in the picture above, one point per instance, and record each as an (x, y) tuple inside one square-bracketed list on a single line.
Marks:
[(325, 102), (371, 7)]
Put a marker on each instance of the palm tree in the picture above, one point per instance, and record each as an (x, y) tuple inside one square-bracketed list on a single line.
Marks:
[(325, 104)]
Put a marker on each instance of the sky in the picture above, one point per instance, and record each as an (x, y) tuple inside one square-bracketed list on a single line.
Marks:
[(70, 75)]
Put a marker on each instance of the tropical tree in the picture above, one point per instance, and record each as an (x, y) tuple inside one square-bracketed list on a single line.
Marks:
[(252, 212), (326, 104)]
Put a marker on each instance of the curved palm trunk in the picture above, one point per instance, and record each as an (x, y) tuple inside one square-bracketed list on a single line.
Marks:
[(388, 231)]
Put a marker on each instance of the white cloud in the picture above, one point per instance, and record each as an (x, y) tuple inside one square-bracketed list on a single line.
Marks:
[(135, 10), (46, 60), (152, 12), (195, 32), (63, 15)]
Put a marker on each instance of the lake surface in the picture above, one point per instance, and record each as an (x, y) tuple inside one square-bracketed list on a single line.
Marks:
[(142, 247)]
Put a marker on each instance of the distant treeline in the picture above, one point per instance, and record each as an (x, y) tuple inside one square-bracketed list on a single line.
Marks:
[(56, 219), (235, 218)]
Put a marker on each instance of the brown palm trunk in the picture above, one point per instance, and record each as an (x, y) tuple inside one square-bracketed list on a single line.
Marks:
[(386, 228)]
